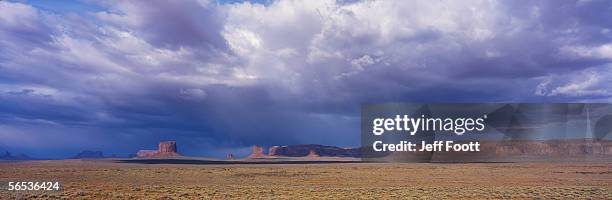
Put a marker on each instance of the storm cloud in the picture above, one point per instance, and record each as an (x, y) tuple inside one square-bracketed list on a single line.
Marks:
[(219, 77)]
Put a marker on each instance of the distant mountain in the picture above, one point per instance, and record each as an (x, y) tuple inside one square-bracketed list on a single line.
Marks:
[(313, 150), (8, 156), (89, 155)]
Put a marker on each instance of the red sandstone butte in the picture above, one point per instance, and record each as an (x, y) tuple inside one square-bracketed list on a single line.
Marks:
[(272, 151), (165, 149), (257, 152)]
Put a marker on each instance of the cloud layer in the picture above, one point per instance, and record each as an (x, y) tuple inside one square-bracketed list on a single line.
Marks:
[(226, 76)]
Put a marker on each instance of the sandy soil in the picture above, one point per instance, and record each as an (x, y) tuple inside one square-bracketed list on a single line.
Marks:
[(107, 180)]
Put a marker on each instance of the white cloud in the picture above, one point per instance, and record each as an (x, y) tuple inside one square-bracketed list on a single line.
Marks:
[(18, 16), (295, 44), (589, 82), (584, 85), (603, 51)]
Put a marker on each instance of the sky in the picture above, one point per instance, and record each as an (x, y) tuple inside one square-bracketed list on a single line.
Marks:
[(220, 76)]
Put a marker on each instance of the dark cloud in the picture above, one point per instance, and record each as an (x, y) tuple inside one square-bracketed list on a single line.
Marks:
[(170, 24), (221, 77)]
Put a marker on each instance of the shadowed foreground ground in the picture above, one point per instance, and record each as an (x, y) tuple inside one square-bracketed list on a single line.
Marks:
[(106, 180)]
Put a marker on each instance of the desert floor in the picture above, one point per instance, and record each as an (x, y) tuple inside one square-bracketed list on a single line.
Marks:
[(107, 180)]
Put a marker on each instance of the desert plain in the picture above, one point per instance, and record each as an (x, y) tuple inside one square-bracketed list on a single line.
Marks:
[(107, 179)]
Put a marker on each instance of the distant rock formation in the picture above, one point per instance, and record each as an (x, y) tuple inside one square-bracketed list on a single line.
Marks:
[(89, 155), (272, 150), (557, 148), (313, 150), (257, 152), (8, 156), (167, 146), (230, 156), (146, 153), (165, 149), (312, 153), (512, 151)]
